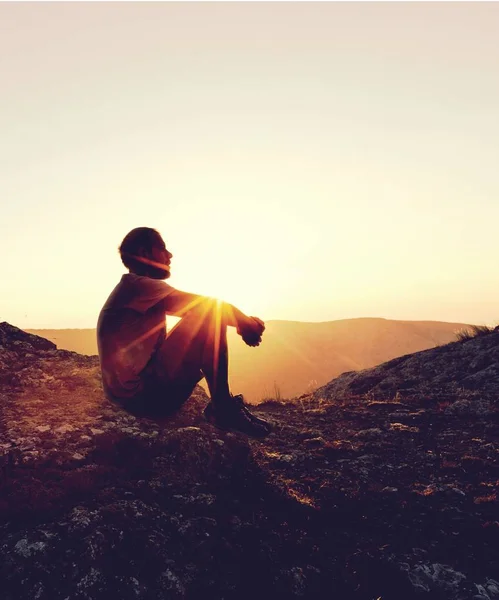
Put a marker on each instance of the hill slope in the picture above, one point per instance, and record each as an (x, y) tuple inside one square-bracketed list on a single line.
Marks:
[(445, 372), (297, 357), (353, 500)]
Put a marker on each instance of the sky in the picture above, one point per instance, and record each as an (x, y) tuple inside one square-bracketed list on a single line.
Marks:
[(304, 161)]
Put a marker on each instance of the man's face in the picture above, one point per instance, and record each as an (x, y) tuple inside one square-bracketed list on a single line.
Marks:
[(158, 260), (162, 258)]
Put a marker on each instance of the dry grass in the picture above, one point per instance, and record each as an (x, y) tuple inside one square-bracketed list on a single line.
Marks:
[(472, 332), (272, 395)]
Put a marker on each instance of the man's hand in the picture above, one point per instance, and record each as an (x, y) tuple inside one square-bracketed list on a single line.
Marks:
[(251, 330)]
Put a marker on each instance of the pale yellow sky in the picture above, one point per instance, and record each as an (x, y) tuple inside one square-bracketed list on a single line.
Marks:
[(306, 161)]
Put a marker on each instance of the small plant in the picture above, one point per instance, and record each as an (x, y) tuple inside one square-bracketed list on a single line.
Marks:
[(274, 394), (312, 386), (472, 332)]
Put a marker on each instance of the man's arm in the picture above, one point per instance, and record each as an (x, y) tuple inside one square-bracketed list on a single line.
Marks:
[(178, 303)]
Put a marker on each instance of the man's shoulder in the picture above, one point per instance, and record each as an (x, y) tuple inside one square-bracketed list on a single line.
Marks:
[(141, 293), (147, 284), (137, 292)]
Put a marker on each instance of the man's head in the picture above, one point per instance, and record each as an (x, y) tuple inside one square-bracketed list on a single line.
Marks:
[(143, 252)]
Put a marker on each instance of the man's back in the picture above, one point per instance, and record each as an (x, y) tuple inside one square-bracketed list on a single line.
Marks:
[(131, 326)]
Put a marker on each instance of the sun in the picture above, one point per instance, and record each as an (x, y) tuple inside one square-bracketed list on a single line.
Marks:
[(230, 277), (233, 287), (236, 257)]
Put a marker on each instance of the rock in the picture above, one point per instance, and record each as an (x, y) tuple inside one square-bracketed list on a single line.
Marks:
[(402, 427), (43, 428), (25, 548), (478, 408), (436, 577), (358, 499), (369, 434), (18, 339), (314, 442), (65, 428), (488, 590)]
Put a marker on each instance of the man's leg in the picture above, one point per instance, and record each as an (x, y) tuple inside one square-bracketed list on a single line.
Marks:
[(197, 347)]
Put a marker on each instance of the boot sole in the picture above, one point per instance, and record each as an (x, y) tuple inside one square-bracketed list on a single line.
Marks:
[(228, 428)]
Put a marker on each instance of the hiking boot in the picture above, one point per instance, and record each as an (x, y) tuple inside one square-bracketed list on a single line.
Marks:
[(239, 400), (234, 416)]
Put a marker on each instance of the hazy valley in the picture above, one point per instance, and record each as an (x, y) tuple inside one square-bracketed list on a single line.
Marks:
[(297, 357)]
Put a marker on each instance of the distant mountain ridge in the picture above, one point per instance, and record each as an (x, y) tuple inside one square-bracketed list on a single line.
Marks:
[(297, 357)]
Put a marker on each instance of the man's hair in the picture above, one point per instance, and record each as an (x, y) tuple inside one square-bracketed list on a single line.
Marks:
[(140, 238)]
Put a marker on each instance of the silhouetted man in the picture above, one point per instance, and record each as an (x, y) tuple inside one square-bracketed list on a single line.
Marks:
[(152, 373)]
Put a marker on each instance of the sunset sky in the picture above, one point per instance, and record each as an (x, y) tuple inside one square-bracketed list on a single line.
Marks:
[(304, 161)]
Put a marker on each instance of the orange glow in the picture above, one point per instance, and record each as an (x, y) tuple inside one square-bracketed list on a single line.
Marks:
[(323, 177), (216, 341)]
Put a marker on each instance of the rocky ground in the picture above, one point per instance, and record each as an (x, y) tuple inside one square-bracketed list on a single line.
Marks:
[(352, 497)]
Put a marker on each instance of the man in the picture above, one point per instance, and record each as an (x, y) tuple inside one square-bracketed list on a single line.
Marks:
[(151, 373)]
